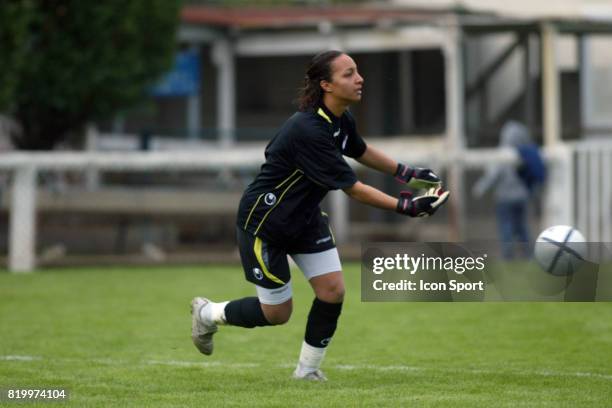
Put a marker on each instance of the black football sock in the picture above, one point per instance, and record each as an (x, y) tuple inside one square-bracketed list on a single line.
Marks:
[(322, 322), (245, 312)]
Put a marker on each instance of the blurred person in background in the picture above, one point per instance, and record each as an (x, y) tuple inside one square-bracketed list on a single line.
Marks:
[(513, 188), (279, 213)]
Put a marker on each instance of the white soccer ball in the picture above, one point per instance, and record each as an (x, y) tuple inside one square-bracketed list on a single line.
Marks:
[(560, 250)]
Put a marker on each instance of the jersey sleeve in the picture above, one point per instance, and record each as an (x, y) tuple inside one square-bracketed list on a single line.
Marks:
[(355, 145), (322, 162)]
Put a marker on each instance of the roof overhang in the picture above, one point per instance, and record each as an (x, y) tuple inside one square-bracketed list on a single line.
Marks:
[(286, 18), (485, 25), (304, 30)]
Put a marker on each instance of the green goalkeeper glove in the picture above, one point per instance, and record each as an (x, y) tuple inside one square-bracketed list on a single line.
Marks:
[(423, 205), (417, 177)]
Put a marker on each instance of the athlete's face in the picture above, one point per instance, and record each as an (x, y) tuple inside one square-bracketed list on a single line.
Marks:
[(346, 83)]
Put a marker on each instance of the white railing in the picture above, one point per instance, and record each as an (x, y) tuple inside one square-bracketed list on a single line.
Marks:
[(25, 167), (594, 190)]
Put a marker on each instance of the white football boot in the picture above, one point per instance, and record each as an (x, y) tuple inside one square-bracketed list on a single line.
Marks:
[(202, 329), (301, 374)]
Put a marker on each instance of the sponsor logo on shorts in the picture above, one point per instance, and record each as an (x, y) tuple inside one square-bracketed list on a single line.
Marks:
[(322, 240), (326, 341), (257, 273), (270, 199)]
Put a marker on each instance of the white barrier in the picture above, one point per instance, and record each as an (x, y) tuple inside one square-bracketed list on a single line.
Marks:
[(25, 166), (594, 190)]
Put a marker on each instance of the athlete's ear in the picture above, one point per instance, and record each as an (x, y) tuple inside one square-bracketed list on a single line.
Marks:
[(325, 85)]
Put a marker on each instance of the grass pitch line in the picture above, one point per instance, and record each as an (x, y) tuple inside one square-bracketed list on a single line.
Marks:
[(201, 364), (343, 367), (19, 358), (545, 373)]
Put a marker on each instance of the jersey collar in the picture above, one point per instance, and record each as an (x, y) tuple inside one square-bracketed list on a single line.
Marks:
[(326, 114)]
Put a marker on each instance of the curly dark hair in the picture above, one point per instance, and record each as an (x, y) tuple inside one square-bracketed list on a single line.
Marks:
[(319, 69)]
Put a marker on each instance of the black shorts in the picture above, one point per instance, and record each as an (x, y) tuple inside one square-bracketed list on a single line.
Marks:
[(265, 264)]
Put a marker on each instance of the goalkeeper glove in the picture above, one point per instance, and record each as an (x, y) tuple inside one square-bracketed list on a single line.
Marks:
[(421, 206), (416, 177)]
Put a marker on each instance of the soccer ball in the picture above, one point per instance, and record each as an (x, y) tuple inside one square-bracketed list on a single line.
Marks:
[(560, 250)]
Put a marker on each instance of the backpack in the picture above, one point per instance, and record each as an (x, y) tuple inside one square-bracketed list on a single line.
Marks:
[(532, 170)]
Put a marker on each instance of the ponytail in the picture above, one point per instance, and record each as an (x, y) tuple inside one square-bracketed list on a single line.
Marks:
[(319, 69)]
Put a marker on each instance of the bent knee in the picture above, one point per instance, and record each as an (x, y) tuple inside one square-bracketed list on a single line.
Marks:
[(276, 320), (277, 314), (278, 317), (332, 294)]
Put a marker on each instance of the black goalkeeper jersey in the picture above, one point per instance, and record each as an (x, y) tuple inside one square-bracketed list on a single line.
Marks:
[(304, 161)]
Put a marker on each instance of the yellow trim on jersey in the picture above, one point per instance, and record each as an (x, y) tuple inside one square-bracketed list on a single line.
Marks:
[(262, 194), (277, 203), (252, 209), (258, 248), (289, 178), (322, 113)]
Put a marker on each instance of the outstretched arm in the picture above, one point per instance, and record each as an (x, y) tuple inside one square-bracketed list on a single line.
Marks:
[(419, 206), (369, 195), (486, 181), (377, 160), (415, 177)]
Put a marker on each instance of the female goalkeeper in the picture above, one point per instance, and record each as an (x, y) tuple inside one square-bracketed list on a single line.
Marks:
[(279, 213)]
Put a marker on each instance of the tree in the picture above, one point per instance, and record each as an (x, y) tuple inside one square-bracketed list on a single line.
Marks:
[(88, 60), (14, 19)]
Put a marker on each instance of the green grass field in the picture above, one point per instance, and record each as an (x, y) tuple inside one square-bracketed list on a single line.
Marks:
[(121, 337)]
